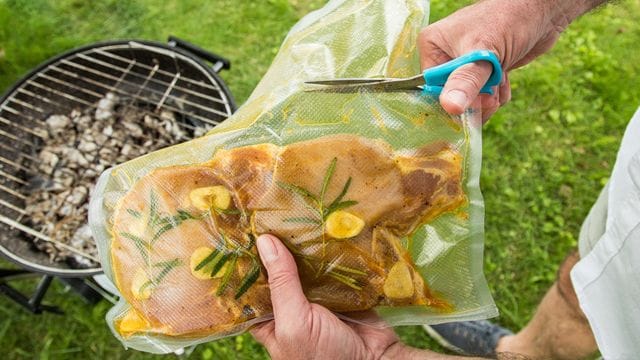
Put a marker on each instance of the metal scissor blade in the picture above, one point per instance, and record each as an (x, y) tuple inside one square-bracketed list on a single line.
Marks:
[(346, 81), (348, 85)]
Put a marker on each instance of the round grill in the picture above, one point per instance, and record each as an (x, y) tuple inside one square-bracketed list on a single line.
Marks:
[(146, 77)]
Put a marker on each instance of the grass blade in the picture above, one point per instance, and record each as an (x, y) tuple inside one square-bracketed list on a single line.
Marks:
[(227, 274), (248, 280), (207, 260), (327, 177)]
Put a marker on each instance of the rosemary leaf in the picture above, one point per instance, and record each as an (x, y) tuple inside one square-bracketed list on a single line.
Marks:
[(184, 215), (339, 206), (313, 209), (207, 260), (298, 190), (162, 230), (348, 270), (252, 241), (303, 220), (350, 282), (248, 279), (227, 274), (136, 214), (170, 222), (226, 211), (219, 262), (345, 188), (141, 245), (153, 209), (327, 177), (167, 266)]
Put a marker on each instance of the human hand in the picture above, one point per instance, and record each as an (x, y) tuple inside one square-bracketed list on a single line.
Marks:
[(517, 31), (302, 330)]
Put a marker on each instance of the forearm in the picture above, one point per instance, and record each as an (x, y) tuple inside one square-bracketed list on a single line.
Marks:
[(571, 9), (401, 351)]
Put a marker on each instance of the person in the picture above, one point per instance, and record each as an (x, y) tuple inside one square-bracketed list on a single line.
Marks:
[(593, 303)]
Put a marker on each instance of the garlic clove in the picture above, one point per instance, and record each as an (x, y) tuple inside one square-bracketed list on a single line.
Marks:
[(341, 225)]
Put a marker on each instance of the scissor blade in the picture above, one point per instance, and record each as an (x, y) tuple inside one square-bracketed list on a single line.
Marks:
[(346, 81), (381, 86)]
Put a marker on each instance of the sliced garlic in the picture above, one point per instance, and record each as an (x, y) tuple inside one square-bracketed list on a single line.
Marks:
[(205, 198), (398, 284), (341, 225), (140, 286)]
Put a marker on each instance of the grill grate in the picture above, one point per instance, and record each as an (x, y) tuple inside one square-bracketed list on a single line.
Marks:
[(148, 78)]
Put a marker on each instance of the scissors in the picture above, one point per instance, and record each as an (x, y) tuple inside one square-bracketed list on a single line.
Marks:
[(431, 81)]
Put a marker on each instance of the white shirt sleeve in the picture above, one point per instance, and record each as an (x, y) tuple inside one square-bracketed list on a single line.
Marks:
[(607, 279)]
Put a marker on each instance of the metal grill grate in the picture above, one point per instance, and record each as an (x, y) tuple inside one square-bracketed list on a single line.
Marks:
[(147, 77)]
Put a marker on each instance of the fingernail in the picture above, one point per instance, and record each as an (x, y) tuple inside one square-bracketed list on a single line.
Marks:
[(266, 248), (458, 97)]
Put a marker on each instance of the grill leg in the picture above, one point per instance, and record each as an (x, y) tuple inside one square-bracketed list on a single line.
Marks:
[(34, 303), (79, 285)]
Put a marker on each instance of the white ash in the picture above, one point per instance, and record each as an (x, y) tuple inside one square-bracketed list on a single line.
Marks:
[(78, 147)]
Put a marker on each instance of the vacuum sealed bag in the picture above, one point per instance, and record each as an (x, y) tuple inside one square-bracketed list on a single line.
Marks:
[(376, 195)]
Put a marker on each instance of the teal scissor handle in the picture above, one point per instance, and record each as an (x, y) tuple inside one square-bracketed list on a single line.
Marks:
[(437, 76)]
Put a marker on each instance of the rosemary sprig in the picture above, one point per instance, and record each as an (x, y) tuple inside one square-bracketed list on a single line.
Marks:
[(320, 209), (219, 263), (141, 245), (166, 267), (227, 274), (169, 222), (207, 260), (299, 190), (252, 241), (349, 281), (338, 206), (347, 269), (226, 211), (344, 274), (249, 279), (153, 208), (136, 214), (303, 220), (327, 177), (345, 188)]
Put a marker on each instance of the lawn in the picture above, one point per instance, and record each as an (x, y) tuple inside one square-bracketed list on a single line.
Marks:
[(546, 154)]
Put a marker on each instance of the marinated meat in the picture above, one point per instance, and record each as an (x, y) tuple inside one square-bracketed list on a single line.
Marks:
[(183, 250)]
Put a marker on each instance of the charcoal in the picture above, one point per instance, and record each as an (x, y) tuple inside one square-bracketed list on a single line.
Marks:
[(78, 147)]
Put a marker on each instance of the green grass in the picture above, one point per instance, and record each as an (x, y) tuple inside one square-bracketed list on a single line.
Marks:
[(546, 154)]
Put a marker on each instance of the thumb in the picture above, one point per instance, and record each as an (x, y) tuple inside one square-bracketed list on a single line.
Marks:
[(289, 303), (464, 85)]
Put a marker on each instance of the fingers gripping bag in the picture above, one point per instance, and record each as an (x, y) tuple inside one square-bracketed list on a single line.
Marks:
[(375, 194)]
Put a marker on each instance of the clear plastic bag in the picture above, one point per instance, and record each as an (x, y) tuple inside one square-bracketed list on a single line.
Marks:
[(376, 195)]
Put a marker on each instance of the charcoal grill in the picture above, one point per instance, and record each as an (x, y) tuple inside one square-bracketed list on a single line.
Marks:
[(179, 77)]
